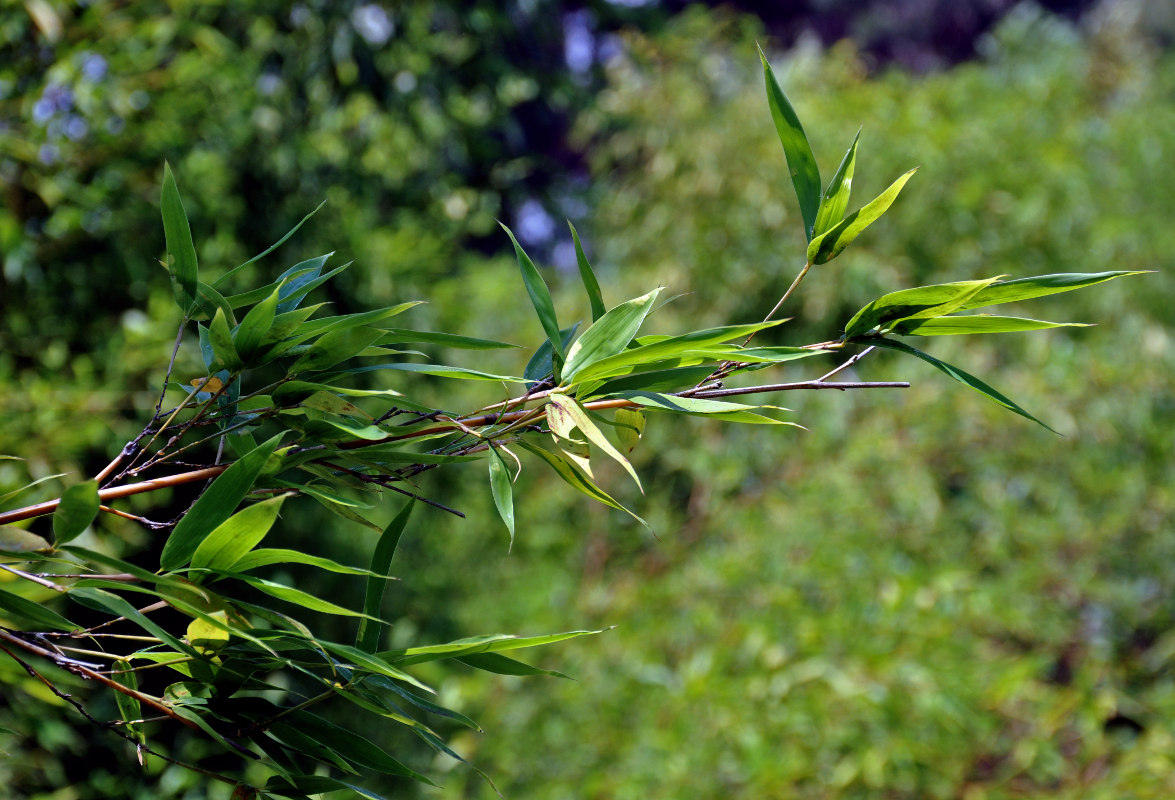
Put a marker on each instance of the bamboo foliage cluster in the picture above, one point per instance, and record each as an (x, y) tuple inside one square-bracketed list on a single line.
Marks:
[(276, 415)]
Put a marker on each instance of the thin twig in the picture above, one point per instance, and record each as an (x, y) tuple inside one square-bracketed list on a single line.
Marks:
[(848, 363)]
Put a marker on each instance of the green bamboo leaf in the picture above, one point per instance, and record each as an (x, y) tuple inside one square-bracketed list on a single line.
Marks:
[(77, 509), (805, 175), (540, 296), (540, 364), (214, 506), (351, 746), (657, 380), (829, 244), (590, 284), (129, 707), (221, 280), (371, 662), (564, 413), (294, 391), (333, 430), (251, 332), (367, 639), (420, 702), (35, 613), (334, 347), (308, 278), (980, 323), (237, 535), (922, 302), (4, 498), (207, 301), (332, 404), (671, 347), (609, 335), (178, 236), (221, 338), (504, 665), (299, 597), (962, 377), (730, 412), (395, 454), (406, 336), (440, 371), (575, 478), (102, 600), (1041, 285), (264, 557), (836, 196), (493, 643), (209, 636), (501, 490), (16, 541), (343, 321)]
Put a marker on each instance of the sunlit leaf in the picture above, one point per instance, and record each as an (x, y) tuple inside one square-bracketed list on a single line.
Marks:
[(922, 302), (264, 557), (493, 643), (953, 326), (406, 336), (575, 478), (102, 600), (717, 409), (504, 665), (221, 338), (609, 335), (630, 425), (836, 196), (829, 244), (1027, 288), (805, 175), (214, 506), (335, 346), (178, 236), (208, 636), (77, 509), (237, 535), (574, 416)]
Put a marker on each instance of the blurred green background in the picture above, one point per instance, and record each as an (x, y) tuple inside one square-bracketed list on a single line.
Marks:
[(922, 595)]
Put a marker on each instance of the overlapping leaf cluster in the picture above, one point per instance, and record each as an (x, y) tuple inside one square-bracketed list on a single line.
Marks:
[(279, 392)]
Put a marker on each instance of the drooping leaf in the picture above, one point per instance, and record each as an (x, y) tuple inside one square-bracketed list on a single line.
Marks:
[(329, 430), (371, 662), (207, 635), (657, 380), (502, 492), (129, 707), (178, 235), (4, 498), (979, 323), (575, 416), (630, 426), (922, 302), (829, 244), (805, 175), (102, 600), (836, 196), (440, 371), (298, 597), (301, 786), (962, 377), (590, 284), (575, 478), (540, 296), (215, 505), (1027, 288), (207, 301), (367, 638), (609, 335), (35, 613), (237, 535), (717, 409), (77, 509)]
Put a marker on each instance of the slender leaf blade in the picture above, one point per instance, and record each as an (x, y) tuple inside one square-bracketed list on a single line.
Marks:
[(588, 276), (501, 490), (215, 505), (39, 615), (921, 302), (609, 335), (367, 639), (829, 244), (1041, 285), (836, 196), (801, 163), (540, 296), (178, 236), (237, 535), (979, 323)]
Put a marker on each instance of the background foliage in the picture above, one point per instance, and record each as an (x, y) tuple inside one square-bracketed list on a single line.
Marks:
[(922, 596)]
